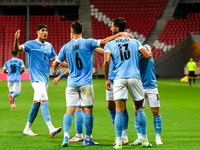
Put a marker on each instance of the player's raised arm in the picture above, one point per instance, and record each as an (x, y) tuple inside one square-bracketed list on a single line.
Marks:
[(146, 52), (16, 46), (119, 34)]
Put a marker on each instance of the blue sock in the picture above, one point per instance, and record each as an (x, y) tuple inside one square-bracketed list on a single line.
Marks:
[(112, 115), (45, 111), (137, 126), (15, 93), (158, 124), (67, 121), (126, 118), (79, 121), (119, 119), (33, 112), (142, 120), (88, 122)]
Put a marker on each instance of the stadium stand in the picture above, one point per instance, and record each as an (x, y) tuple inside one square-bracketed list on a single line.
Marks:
[(175, 31), (137, 13), (8, 26)]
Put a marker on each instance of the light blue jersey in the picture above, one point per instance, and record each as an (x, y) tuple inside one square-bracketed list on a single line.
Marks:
[(39, 56), (125, 55), (147, 73), (79, 57), (111, 74), (14, 69)]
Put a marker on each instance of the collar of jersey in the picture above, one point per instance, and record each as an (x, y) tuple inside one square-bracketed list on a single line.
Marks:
[(40, 42)]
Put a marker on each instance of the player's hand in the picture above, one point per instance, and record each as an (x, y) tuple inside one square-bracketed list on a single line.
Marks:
[(126, 35), (55, 68), (108, 85), (55, 80), (17, 34)]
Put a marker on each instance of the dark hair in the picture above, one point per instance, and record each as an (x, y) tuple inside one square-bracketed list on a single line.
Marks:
[(120, 22), (77, 27), (40, 26), (14, 53)]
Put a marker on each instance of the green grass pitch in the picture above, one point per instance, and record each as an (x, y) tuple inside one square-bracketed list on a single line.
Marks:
[(180, 110)]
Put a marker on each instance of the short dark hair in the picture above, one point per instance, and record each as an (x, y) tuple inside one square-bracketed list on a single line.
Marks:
[(14, 53), (40, 26), (120, 22), (77, 27)]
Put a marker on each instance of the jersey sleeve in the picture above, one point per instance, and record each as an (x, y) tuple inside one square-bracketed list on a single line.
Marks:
[(22, 63), (5, 66), (53, 53), (93, 43), (107, 48), (61, 56), (26, 46)]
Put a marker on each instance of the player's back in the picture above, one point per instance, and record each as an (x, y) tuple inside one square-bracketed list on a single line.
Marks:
[(14, 69), (79, 58), (125, 55), (147, 73)]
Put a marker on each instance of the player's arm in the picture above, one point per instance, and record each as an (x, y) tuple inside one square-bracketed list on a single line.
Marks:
[(119, 34), (64, 74), (106, 66), (99, 51), (64, 64), (5, 70), (16, 46), (22, 70), (146, 52)]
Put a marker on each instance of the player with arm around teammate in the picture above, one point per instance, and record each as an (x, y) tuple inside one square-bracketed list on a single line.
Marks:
[(40, 52), (124, 52), (15, 67), (151, 96), (79, 91)]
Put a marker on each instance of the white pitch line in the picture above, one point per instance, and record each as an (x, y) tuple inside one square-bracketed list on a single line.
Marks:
[(172, 83)]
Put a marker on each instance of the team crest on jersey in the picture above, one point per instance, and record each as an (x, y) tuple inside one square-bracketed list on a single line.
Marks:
[(44, 47)]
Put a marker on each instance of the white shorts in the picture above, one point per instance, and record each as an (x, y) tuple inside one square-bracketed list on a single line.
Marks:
[(152, 98), (14, 86), (109, 94), (80, 96), (40, 91), (133, 85)]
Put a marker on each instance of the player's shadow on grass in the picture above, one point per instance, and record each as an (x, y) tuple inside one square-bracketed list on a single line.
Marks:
[(3, 109)]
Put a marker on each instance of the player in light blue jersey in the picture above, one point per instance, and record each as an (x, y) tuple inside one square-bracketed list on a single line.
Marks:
[(39, 54), (125, 55), (79, 92), (111, 107), (14, 67), (151, 96)]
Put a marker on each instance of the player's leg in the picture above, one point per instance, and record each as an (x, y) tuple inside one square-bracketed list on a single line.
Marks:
[(190, 78), (157, 124), (153, 101), (125, 126), (79, 125), (138, 141), (72, 101), (137, 94), (67, 121), (15, 93), (10, 96), (194, 78), (31, 117), (87, 102)]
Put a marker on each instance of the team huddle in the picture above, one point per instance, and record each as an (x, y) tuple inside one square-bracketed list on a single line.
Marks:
[(128, 67)]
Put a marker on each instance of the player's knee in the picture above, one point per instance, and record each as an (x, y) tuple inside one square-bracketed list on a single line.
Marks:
[(156, 112)]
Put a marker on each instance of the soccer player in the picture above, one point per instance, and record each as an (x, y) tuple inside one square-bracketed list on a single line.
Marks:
[(151, 96), (191, 69), (14, 67), (125, 54), (79, 91), (111, 107), (40, 52)]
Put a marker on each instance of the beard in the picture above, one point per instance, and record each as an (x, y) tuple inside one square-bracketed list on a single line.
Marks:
[(113, 33)]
